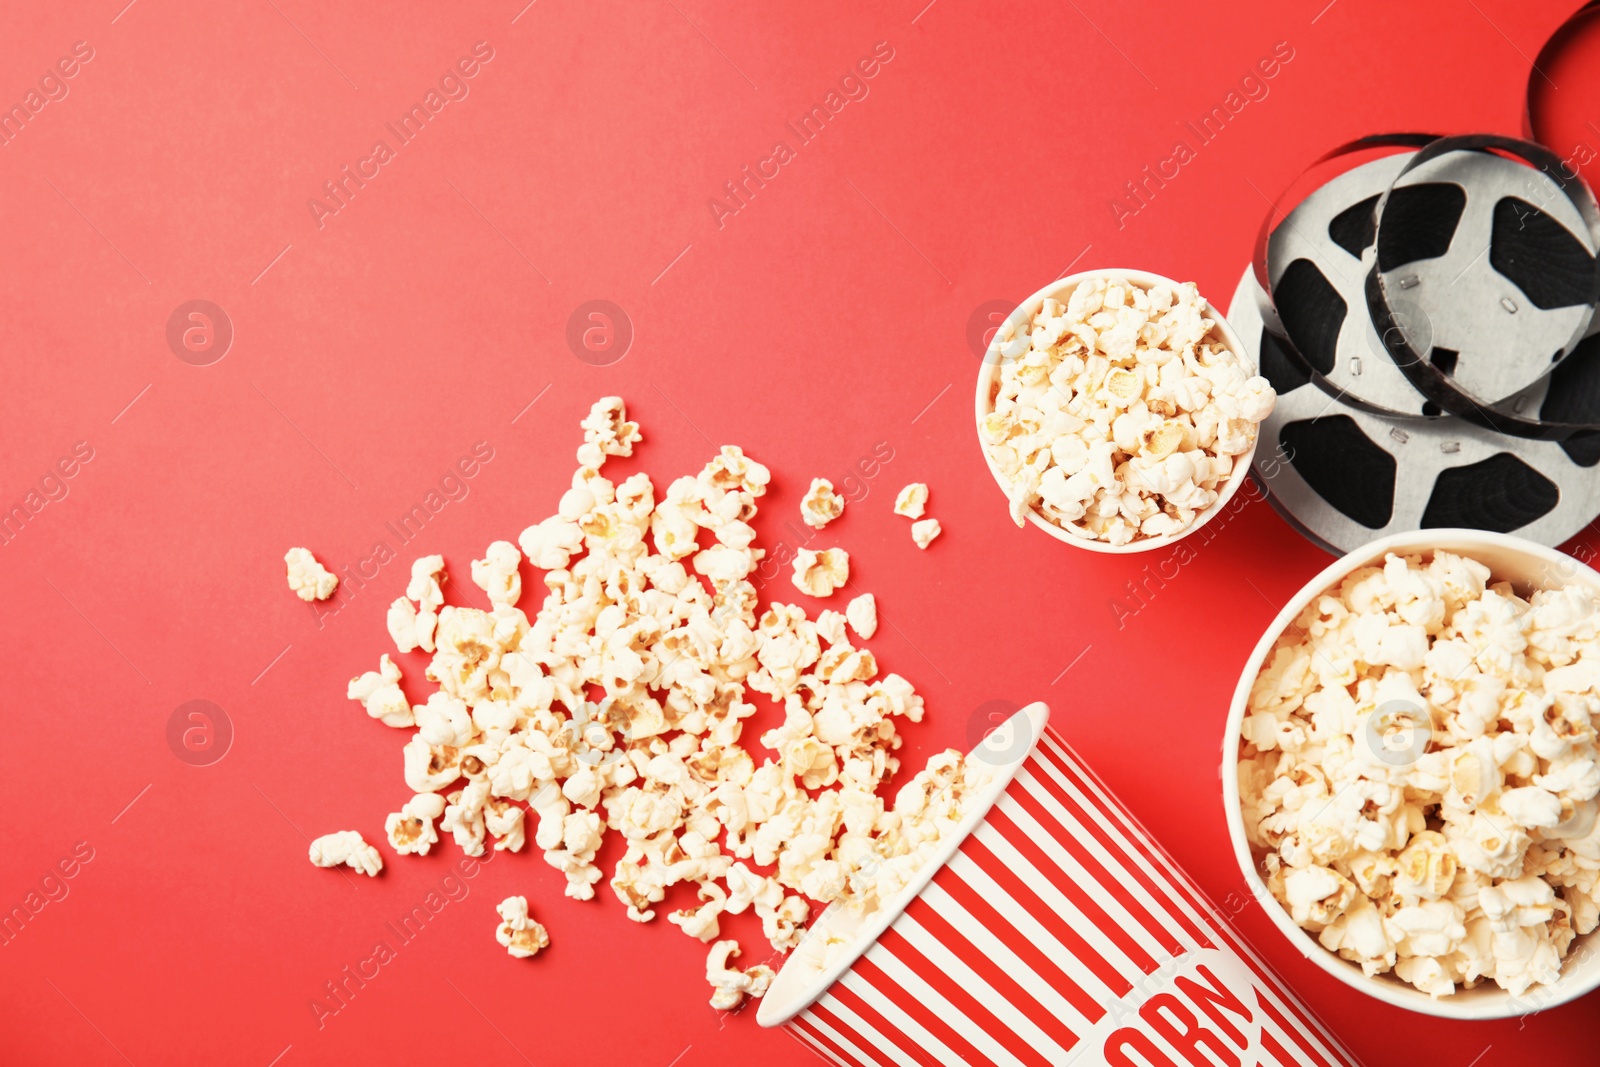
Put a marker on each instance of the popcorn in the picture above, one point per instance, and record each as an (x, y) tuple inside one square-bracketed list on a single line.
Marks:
[(618, 707), (821, 505), (862, 615), (1418, 772), (551, 543), (911, 501), (830, 626), (410, 830), (729, 985), (818, 574), (522, 936), (379, 692), (424, 586), (924, 531), (429, 768), (308, 579), (606, 433), (701, 922), (401, 621), (346, 847), (1317, 895), (411, 618), (496, 574), (1118, 415)]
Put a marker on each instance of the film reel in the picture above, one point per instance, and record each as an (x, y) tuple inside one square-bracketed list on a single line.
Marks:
[(1343, 475)]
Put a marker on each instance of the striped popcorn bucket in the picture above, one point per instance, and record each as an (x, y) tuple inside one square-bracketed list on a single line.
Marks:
[(1050, 929)]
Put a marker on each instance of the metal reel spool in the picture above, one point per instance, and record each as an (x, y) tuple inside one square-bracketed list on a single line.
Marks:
[(1343, 476)]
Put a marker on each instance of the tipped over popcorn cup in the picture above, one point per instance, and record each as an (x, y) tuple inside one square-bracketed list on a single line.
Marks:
[(1410, 778), (1043, 928), (1118, 411)]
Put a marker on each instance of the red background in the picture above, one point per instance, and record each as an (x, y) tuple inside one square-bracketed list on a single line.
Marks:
[(828, 315)]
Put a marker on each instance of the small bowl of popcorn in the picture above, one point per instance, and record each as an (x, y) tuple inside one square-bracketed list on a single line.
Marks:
[(1410, 773), (1118, 411)]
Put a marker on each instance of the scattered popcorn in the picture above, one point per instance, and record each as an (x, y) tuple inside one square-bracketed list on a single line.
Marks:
[(497, 575), (728, 984), (308, 579), (410, 830), (821, 505), (1119, 415), (863, 615), (379, 692), (912, 501), (522, 936), (425, 583), (923, 531), (412, 618), (346, 847), (1418, 773), (818, 574), (830, 627), (619, 707), (606, 432)]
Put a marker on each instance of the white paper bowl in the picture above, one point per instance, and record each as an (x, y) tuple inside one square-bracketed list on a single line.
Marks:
[(1048, 930), (1527, 566), (989, 379)]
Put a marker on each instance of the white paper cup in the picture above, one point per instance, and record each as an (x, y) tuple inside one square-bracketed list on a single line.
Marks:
[(1527, 566), (989, 383), (1049, 930)]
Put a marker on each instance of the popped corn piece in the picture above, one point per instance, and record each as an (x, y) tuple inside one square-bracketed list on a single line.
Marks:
[(728, 984), (606, 432), (411, 619), (410, 830), (401, 621), (863, 615), (424, 587), (911, 501), (830, 626), (522, 936), (507, 824), (429, 768), (821, 505), (818, 574), (308, 579), (549, 545), (346, 847), (731, 470), (923, 531), (701, 923), (497, 574), (379, 692)]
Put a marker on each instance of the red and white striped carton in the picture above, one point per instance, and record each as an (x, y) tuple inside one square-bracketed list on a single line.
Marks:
[(1048, 930)]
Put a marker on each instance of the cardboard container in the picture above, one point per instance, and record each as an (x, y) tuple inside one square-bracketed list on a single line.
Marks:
[(1049, 930), (999, 352), (1527, 566)]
